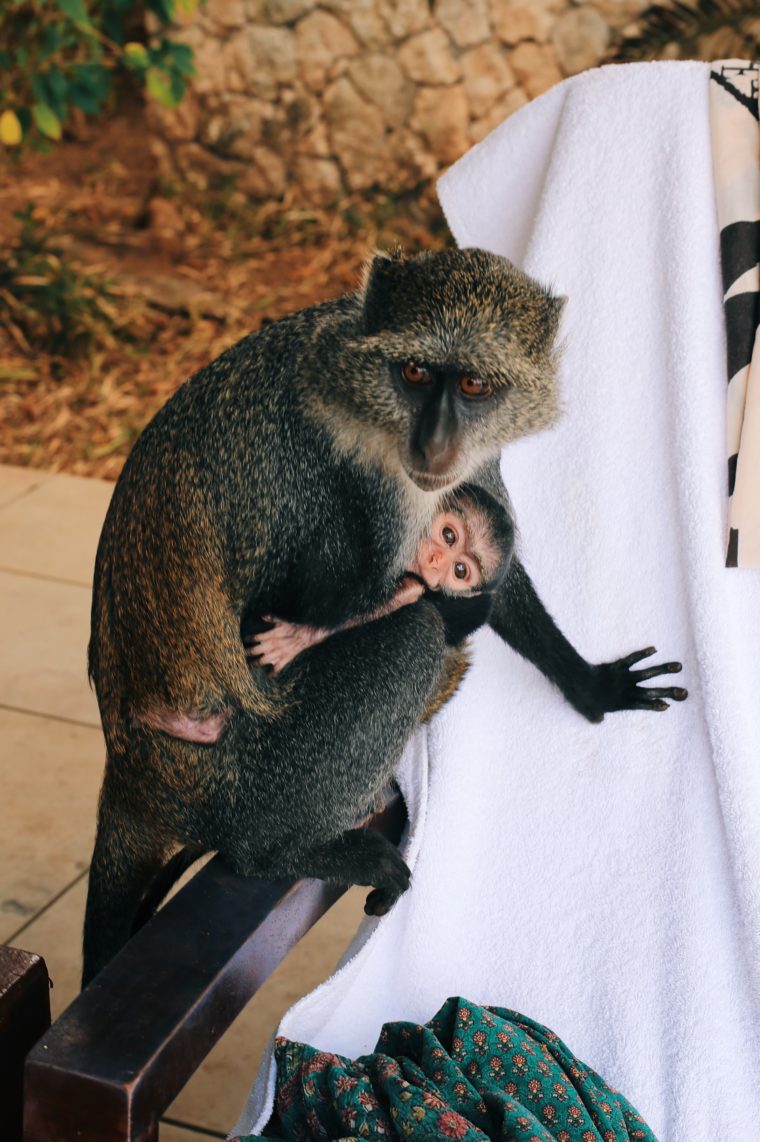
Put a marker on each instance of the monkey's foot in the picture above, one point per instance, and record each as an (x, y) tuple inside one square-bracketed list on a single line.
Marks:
[(380, 901), (397, 877), (614, 686), (187, 727)]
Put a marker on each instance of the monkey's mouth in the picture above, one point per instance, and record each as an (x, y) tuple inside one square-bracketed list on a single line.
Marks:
[(431, 483)]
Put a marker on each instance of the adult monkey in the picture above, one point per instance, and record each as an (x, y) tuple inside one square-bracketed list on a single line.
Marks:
[(295, 476)]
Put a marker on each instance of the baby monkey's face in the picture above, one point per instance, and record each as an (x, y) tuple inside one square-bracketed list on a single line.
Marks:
[(459, 555)]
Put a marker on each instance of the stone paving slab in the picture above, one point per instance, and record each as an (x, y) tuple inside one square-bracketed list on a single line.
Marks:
[(51, 762)]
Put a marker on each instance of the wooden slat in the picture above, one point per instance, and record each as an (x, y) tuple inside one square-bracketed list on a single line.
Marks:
[(119, 1055)]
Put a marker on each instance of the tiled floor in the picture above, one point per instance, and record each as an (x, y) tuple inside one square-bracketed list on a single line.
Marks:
[(51, 760)]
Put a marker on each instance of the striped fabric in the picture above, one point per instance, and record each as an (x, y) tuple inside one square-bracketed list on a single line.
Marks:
[(736, 153)]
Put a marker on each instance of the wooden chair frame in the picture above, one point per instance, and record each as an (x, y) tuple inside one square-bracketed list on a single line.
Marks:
[(111, 1064)]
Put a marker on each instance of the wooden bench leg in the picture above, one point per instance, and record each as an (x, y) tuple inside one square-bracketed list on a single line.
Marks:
[(24, 1018)]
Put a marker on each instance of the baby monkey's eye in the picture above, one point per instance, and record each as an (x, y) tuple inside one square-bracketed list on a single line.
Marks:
[(449, 536), (416, 374), (460, 570), (474, 386)]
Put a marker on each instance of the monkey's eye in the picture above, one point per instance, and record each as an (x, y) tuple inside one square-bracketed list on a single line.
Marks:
[(416, 374), (449, 535), (460, 570), (471, 386)]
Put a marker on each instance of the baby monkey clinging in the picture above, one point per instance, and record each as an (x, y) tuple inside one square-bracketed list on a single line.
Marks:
[(466, 555)]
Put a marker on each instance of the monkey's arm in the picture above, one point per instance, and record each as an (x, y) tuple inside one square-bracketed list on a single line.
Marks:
[(283, 641), (520, 618)]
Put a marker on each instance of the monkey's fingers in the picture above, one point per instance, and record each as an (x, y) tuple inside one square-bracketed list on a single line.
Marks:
[(653, 671), (648, 705), (637, 656), (676, 693)]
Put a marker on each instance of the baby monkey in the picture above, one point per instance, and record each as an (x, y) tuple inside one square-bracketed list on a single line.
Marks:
[(465, 555)]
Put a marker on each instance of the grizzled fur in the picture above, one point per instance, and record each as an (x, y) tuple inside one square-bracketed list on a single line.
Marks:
[(276, 481)]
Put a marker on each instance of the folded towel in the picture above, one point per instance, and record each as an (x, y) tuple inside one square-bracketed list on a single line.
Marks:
[(603, 879)]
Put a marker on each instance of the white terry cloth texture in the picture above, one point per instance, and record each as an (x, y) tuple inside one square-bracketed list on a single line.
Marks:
[(602, 879)]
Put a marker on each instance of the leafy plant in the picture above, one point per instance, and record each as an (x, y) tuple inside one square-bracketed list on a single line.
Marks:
[(61, 54), (705, 28), (44, 301)]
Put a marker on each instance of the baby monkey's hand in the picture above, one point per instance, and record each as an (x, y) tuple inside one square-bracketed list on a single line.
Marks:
[(278, 646)]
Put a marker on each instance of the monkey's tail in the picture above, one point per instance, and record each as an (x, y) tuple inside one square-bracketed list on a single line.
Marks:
[(161, 886)]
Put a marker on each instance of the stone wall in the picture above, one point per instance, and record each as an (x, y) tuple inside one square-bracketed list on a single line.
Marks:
[(333, 96)]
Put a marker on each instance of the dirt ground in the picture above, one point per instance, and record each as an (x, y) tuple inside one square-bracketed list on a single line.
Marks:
[(180, 275)]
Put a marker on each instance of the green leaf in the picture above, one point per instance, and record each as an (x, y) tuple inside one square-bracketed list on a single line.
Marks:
[(112, 25), (159, 88), (57, 85), (177, 87), (136, 56), (38, 88), (180, 56), (75, 10), (89, 87), (164, 9), (5, 59), (46, 120), (50, 41)]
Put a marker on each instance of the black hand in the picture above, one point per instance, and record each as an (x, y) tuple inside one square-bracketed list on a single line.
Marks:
[(614, 686)]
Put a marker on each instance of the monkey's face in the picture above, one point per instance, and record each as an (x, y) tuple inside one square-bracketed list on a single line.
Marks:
[(456, 358), (459, 555), (444, 403)]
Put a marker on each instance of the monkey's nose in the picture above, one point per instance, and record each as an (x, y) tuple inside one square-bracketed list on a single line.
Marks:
[(437, 459)]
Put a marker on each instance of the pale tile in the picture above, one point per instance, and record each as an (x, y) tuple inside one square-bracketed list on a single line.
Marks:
[(15, 482), (167, 1133), (54, 529), (43, 653), (51, 774), (56, 935), (217, 1092)]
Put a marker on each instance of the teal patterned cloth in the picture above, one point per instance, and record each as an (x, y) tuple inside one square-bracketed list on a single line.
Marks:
[(471, 1073)]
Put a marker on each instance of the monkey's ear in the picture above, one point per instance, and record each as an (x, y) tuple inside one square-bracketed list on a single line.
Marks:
[(382, 278), (378, 266), (556, 309)]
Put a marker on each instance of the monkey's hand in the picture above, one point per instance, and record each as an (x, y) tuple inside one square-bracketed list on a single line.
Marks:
[(614, 686), (278, 646)]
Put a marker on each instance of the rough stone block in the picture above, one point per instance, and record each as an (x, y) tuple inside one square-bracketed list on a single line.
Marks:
[(430, 58), (487, 76)]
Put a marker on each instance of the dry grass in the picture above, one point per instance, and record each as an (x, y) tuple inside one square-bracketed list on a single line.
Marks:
[(186, 275)]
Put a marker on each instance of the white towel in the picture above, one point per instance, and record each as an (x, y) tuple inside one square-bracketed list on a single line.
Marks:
[(602, 879)]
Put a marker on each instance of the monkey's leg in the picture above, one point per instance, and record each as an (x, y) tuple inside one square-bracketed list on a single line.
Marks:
[(125, 860), (358, 697), (360, 856)]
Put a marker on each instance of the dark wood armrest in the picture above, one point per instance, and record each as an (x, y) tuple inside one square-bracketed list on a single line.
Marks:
[(117, 1057)]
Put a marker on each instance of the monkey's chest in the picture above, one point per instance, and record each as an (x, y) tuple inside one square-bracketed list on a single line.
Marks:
[(347, 558)]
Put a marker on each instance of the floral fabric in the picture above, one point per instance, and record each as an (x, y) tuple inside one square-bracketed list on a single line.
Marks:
[(471, 1073)]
